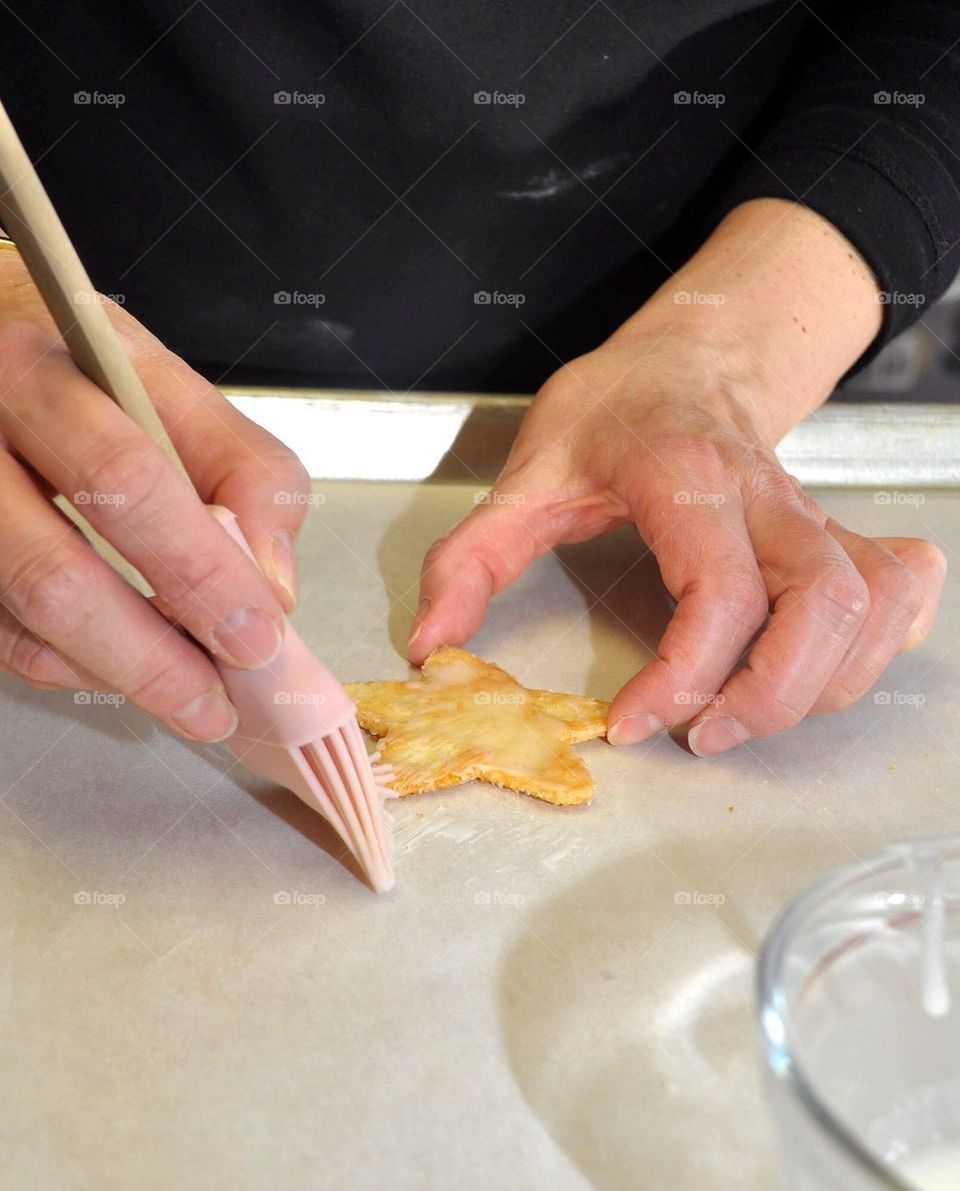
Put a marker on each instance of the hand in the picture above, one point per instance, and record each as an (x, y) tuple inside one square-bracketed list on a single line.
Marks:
[(67, 618), (667, 445), (670, 426)]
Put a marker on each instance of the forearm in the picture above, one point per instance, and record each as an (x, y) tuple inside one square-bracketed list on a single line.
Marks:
[(781, 297)]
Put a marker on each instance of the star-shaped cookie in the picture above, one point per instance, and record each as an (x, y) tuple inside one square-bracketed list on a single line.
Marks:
[(467, 719)]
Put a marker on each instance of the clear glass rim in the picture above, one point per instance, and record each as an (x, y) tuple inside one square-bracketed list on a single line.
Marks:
[(771, 1000)]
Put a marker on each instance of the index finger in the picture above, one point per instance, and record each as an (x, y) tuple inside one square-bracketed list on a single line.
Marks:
[(131, 494), (232, 461)]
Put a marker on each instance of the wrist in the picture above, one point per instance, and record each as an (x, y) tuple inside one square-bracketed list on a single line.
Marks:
[(780, 299)]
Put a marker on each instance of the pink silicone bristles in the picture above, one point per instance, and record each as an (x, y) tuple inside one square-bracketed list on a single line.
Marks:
[(298, 728), (341, 765)]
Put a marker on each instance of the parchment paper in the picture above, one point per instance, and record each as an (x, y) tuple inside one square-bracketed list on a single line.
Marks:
[(194, 992)]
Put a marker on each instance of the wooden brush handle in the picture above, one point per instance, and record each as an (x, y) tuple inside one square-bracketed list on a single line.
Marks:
[(32, 223)]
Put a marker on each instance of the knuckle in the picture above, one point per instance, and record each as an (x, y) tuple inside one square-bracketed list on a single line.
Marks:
[(141, 347), (159, 685), (437, 553), (269, 470), (277, 456), (297, 474), (682, 667), (770, 480), (22, 337), (155, 363), (263, 458), (841, 599), (784, 712), (743, 597), (478, 565), (568, 377), (291, 477), (783, 491), (700, 457), (896, 584), (776, 700), (51, 591), (22, 343), (836, 696), (194, 581), (134, 470), (26, 655), (806, 501)]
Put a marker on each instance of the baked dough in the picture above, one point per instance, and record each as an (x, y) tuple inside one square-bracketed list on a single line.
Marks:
[(466, 719)]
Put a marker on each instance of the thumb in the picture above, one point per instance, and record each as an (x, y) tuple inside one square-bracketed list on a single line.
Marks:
[(464, 569)]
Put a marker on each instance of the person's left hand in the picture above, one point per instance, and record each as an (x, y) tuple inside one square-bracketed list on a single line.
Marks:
[(659, 432)]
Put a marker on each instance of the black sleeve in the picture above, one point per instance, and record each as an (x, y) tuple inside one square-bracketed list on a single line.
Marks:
[(866, 132)]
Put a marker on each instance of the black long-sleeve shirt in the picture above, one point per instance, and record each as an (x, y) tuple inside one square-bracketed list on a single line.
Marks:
[(412, 193)]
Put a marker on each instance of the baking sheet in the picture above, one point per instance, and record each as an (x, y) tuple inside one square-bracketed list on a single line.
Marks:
[(194, 992), (466, 436)]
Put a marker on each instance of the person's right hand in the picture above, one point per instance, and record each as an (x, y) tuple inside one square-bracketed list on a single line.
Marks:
[(66, 617)]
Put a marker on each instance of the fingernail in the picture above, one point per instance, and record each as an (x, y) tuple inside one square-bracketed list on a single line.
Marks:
[(422, 609), (630, 729), (209, 717), (248, 638), (283, 564), (716, 735)]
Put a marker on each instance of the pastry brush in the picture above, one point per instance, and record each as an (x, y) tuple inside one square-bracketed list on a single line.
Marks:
[(298, 726)]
